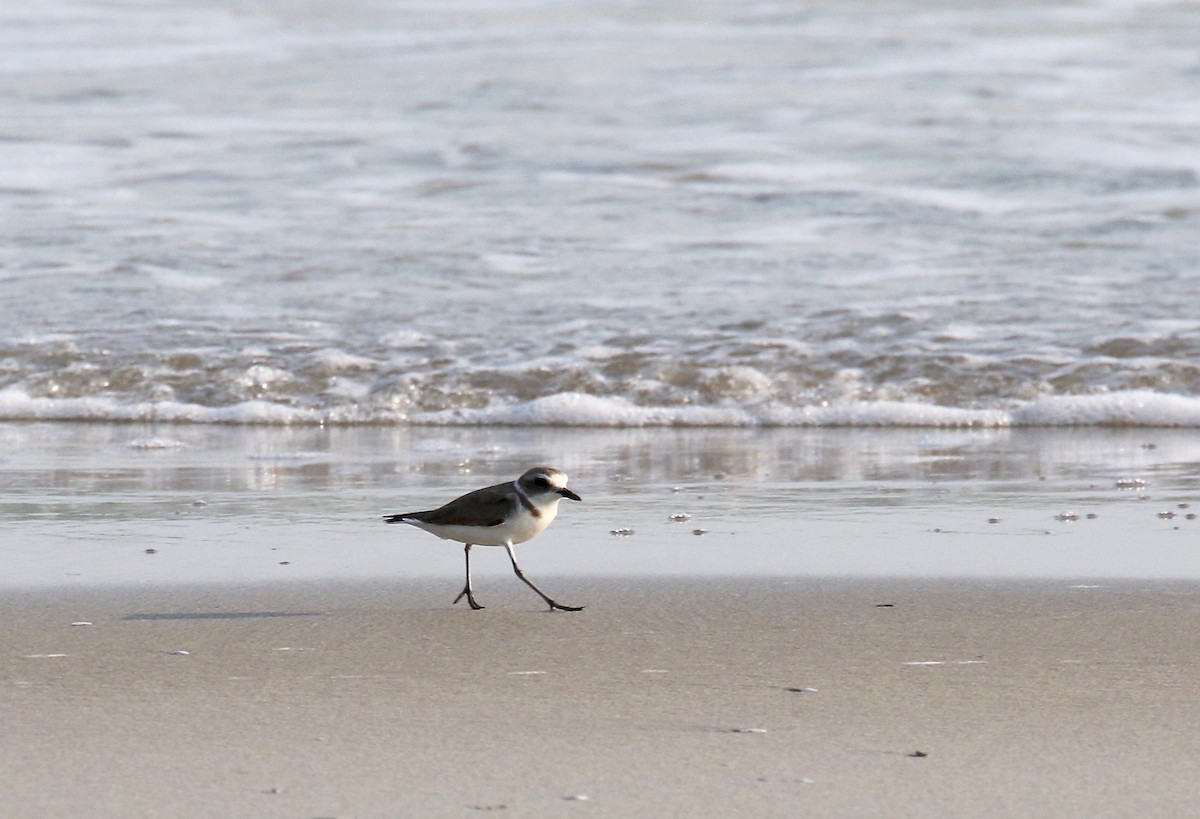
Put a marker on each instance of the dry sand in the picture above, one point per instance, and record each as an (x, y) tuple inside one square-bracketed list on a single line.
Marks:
[(664, 698)]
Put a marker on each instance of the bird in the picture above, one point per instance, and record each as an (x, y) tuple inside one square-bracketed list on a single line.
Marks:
[(502, 515)]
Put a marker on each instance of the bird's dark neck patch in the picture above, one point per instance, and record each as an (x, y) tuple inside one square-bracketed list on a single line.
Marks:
[(526, 502)]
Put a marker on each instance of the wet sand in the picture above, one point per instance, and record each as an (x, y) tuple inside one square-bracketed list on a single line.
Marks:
[(668, 697)]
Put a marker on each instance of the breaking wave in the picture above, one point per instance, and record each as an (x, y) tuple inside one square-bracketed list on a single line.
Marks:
[(572, 409)]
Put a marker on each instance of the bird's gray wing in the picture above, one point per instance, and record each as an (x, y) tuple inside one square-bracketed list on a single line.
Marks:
[(490, 506)]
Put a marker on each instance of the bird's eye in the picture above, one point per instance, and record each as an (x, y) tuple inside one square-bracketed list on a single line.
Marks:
[(542, 482)]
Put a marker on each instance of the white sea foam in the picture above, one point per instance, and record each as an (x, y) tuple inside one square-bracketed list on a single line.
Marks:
[(178, 279), (17, 405), (577, 409), (588, 410), (155, 442), (1134, 408), (339, 361), (1126, 409)]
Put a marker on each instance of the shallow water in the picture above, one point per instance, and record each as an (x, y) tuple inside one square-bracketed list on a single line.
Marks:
[(82, 504), (908, 213)]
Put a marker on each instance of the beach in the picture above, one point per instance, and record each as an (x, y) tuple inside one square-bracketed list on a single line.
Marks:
[(205, 621), (671, 697)]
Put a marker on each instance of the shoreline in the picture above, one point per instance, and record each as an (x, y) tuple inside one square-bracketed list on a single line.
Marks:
[(686, 696)]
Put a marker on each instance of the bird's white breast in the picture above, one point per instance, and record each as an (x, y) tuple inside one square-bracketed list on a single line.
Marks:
[(526, 526), (522, 527)]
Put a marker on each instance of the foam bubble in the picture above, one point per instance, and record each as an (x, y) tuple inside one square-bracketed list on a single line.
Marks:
[(333, 362), (1137, 408), (577, 409), (151, 443), (18, 405)]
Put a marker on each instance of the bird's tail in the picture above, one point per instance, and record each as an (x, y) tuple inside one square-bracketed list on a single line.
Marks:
[(395, 518)]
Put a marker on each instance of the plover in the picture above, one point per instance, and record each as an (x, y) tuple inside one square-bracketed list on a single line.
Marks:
[(502, 515)]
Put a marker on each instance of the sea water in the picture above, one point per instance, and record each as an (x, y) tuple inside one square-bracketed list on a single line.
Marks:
[(787, 288), (602, 213)]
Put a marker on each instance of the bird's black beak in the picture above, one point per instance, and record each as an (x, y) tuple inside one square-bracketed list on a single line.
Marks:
[(567, 493)]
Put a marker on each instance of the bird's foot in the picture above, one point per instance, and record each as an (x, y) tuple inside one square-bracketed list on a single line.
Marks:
[(560, 607), (466, 592)]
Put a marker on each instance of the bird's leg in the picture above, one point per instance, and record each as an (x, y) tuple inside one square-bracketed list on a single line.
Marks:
[(467, 588), (529, 583)]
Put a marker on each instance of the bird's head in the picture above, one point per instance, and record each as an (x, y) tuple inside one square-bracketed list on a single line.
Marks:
[(546, 480)]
